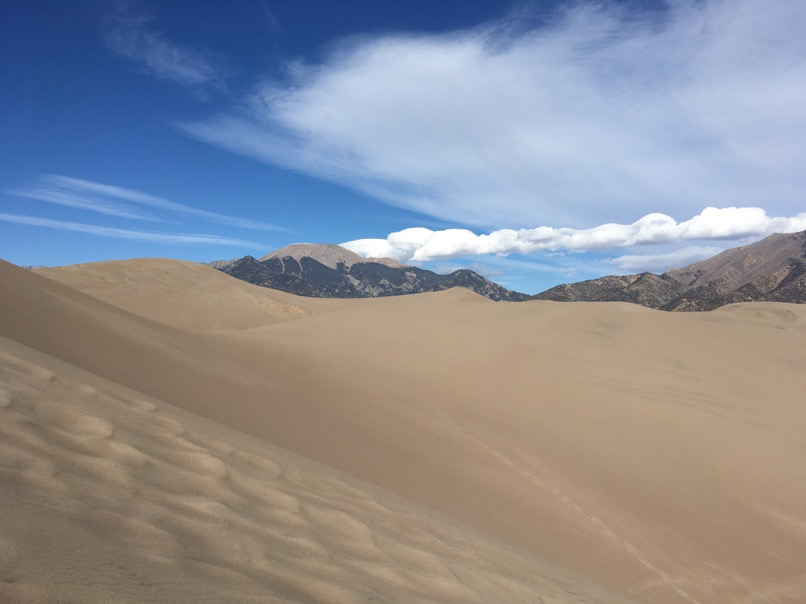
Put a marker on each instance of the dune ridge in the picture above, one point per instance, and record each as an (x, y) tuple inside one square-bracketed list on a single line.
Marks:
[(190, 298), (658, 454)]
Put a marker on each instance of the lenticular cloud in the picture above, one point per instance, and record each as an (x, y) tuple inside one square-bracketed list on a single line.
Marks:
[(421, 244)]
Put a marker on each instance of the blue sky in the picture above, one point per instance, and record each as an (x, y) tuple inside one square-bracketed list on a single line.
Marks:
[(535, 142)]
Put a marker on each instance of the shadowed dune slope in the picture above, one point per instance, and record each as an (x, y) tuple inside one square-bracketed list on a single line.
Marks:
[(657, 453)]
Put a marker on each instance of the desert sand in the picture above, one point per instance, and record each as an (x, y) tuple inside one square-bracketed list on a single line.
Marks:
[(170, 433)]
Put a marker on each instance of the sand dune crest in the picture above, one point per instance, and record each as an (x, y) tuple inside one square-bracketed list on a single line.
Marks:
[(182, 294)]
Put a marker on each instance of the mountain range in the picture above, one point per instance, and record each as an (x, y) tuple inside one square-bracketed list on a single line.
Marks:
[(331, 271), (770, 270), (773, 270)]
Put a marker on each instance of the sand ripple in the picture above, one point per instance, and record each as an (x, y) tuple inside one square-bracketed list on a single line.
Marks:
[(112, 498)]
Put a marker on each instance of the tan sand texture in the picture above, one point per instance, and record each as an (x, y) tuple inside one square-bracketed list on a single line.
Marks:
[(659, 454), (191, 298), (112, 496)]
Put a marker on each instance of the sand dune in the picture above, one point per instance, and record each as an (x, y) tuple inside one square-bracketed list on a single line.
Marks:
[(110, 495), (658, 454), (182, 294)]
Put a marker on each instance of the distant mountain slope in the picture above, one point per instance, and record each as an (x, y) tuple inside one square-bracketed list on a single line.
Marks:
[(771, 270), (645, 289), (330, 271), (328, 254), (742, 265)]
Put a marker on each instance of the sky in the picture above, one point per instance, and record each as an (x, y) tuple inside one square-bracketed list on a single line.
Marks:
[(537, 142)]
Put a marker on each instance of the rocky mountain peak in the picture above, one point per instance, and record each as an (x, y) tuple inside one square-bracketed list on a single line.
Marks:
[(331, 271), (329, 254)]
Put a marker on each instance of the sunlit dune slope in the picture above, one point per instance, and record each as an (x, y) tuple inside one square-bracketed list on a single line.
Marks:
[(182, 294)]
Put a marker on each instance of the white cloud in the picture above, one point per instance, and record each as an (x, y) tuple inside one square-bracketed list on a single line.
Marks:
[(129, 35), (421, 244), (117, 201), (659, 263), (146, 236), (80, 202), (600, 115)]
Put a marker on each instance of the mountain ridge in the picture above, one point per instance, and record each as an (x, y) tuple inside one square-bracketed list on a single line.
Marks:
[(773, 269), (329, 254), (770, 270), (331, 271)]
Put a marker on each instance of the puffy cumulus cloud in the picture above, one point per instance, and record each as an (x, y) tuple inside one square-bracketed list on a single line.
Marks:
[(595, 114), (422, 245)]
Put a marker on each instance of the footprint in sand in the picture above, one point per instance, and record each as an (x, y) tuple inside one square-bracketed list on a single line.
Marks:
[(128, 455), (264, 490), (203, 463), (83, 389), (168, 425), (28, 369), (142, 406), (213, 511), (258, 462), (349, 532), (90, 426), (216, 446)]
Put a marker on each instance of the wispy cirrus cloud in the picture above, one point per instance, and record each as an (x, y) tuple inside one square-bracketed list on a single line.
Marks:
[(131, 35), (73, 199), (421, 244), (122, 202), (599, 114), (116, 233)]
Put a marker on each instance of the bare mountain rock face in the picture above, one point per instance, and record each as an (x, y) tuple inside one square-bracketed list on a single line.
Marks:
[(771, 270), (328, 254), (645, 289), (331, 271), (742, 265)]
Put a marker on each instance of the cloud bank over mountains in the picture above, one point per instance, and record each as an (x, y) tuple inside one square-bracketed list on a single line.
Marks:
[(423, 245), (597, 114)]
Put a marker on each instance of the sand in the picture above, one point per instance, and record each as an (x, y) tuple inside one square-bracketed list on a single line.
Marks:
[(445, 447), (179, 293)]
